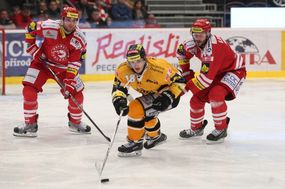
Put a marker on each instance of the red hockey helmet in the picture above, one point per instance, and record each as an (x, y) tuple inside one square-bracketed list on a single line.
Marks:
[(201, 25), (69, 12)]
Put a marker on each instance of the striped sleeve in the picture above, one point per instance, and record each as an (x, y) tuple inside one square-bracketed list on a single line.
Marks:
[(198, 83)]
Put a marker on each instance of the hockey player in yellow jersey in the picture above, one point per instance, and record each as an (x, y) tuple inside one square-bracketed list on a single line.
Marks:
[(160, 84)]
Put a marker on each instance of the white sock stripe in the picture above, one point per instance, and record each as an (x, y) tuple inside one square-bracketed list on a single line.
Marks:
[(30, 111), (134, 128), (74, 114), (196, 122), (30, 102), (196, 110), (196, 119), (29, 115), (220, 114), (133, 119), (220, 118), (76, 118)]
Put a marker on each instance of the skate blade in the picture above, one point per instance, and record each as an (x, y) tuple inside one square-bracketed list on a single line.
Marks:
[(28, 135), (215, 142), (132, 154), (78, 132), (190, 138)]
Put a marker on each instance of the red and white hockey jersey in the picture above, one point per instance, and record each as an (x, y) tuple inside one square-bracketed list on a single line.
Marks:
[(216, 57), (61, 51)]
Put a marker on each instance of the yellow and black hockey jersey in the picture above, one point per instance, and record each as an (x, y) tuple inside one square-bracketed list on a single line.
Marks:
[(158, 75)]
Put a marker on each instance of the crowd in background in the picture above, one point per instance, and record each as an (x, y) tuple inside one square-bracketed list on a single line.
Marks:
[(93, 14)]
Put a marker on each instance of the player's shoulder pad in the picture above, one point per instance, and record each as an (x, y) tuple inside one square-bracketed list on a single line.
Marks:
[(78, 34), (50, 24), (78, 40), (189, 44), (122, 70), (123, 66), (158, 64)]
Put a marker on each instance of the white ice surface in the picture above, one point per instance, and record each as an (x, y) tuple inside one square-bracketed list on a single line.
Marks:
[(253, 155)]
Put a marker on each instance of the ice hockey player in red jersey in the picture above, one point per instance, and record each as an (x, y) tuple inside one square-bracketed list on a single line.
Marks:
[(221, 75), (63, 50)]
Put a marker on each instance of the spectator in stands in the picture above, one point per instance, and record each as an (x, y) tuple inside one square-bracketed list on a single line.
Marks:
[(53, 11), (85, 7), (139, 11), (83, 23), (121, 11), (21, 18), (96, 21), (103, 8), (5, 22), (151, 22), (42, 11), (104, 4)]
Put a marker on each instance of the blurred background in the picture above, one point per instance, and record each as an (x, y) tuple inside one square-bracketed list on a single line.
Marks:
[(127, 13)]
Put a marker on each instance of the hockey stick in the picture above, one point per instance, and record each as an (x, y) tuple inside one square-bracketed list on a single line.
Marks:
[(100, 170), (75, 102)]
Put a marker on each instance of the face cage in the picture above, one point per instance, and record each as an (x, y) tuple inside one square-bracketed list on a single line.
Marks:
[(132, 64), (208, 34)]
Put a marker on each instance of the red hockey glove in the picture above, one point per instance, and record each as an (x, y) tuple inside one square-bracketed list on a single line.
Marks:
[(69, 88)]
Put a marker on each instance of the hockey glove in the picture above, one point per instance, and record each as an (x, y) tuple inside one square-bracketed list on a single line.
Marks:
[(121, 104), (69, 88), (163, 101)]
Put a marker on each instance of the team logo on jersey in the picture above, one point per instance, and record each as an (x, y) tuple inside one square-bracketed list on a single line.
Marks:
[(59, 53), (50, 34), (205, 67), (75, 43)]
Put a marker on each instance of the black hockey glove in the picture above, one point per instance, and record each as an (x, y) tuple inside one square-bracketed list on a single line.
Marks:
[(162, 102), (121, 104)]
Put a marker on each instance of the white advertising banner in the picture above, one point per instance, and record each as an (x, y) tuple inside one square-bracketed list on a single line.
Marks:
[(261, 49), (107, 47)]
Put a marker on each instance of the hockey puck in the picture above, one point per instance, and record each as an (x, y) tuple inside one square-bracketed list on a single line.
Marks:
[(105, 180)]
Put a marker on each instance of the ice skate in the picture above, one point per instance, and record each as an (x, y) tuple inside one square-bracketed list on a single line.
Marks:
[(27, 130), (80, 128), (217, 136), (189, 133), (131, 149), (152, 142)]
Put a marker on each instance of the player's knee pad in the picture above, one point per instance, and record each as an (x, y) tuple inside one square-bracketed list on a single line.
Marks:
[(217, 94), (136, 110), (135, 121), (30, 93), (78, 97), (152, 127), (196, 103), (136, 115)]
